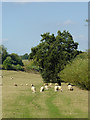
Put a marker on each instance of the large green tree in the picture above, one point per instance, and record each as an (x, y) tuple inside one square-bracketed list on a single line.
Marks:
[(53, 53)]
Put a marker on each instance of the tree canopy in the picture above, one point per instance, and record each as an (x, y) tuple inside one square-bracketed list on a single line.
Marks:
[(16, 59), (53, 53), (25, 56), (3, 53), (10, 61)]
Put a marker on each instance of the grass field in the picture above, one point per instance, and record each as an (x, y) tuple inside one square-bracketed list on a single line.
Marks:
[(20, 102)]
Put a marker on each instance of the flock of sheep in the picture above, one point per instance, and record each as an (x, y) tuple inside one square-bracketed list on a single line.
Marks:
[(57, 87), (46, 86)]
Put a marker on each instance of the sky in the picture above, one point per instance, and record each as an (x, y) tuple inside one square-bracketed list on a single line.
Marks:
[(24, 22)]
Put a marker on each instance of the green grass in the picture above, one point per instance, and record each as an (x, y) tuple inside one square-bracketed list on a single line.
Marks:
[(20, 102)]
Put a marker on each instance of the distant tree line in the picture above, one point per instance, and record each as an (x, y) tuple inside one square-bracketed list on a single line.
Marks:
[(25, 56), (10, 61)]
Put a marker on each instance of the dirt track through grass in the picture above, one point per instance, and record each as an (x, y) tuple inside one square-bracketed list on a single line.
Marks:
[(20, 102)]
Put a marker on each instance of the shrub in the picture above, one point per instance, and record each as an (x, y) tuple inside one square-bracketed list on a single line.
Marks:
[(19, 67), (16, 59), (7, 64), (29, 66), (77, 72)]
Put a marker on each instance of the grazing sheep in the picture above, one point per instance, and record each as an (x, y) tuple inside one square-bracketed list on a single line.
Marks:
[(26, 84), (46, 86), (11, 78), (42, 89), (56, 88), (70, 87), (59, 88), (56, 84), (1, 76), (15, 84), (50, 84), (33, 89)]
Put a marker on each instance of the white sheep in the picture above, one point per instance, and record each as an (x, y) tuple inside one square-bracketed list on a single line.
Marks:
[(59, 88), (46, 86), (56, 88), (56, 84), (70, 87), (1, 76), (33, 89), (50, 84), (11, 78), (42, 89), (15, 84), (26, 84)]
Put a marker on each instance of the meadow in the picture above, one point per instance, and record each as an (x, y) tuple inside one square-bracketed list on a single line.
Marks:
[(20, 102)]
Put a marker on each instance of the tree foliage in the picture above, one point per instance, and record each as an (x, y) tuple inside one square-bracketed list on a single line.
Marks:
[(3, 53), (78, 72), (25, 56), (10, 61), (16, 59), (7, 64), (53, 53)]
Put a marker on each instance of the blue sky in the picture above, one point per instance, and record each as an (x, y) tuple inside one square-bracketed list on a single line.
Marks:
[(23, 23)]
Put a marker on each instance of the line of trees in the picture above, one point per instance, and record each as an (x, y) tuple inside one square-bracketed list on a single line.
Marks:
[(51, 55), (25, 56), (10, 61)]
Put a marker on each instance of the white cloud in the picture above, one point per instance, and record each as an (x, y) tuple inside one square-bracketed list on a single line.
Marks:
[(66, 23), (80, 37)]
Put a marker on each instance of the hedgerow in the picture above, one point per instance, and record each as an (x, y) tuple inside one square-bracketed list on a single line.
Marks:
[(77, 72)]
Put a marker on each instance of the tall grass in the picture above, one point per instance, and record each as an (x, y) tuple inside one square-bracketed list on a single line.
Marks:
[(77, 72)]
